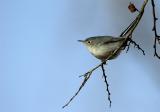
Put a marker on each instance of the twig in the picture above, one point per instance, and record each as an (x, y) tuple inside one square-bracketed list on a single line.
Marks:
[(82, 85), (107, 85), (136, 45), (86, 77), (157, 37), (128, 46)]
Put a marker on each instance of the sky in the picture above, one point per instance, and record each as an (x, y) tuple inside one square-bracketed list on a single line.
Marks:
[(41, 59)]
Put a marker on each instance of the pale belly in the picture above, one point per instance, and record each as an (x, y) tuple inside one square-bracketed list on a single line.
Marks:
[(104, 52)]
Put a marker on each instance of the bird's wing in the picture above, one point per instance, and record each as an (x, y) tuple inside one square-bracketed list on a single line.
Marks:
[(113, 40)]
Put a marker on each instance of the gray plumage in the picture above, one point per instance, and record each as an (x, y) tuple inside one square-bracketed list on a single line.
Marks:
[(102, 46)]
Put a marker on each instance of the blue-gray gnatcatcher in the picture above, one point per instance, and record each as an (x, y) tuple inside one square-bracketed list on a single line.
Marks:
[(102, 46)]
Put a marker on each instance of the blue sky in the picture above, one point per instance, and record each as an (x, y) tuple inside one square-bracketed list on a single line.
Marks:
[(41, 58)]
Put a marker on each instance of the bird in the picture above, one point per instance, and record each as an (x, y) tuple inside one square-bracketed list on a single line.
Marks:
[(103, 46)]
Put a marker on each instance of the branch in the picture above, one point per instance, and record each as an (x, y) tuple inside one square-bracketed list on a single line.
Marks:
[(107, 85), (157, 37), (86, 77), (83, 83), (135, 45)]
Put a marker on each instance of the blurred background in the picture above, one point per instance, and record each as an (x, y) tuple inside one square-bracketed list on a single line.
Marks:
[(41, 60)]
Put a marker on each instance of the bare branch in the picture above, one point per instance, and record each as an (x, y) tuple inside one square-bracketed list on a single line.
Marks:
[(86, 77), (82, 85), (107, 85), (157, 37), (135, 45)]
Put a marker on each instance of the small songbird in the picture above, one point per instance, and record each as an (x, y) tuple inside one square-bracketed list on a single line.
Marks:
[(102, 46)]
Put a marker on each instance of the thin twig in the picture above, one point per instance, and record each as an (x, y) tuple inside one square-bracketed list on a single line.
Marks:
[(157, 37), (128, 45), (86, 77), (82, 85), (107, 85), (136, 45)]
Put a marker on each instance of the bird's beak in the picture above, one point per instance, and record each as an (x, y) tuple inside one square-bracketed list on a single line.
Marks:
[(81, 41)]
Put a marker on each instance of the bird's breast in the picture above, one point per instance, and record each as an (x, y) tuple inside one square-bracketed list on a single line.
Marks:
[(99, 52), (103, 51)]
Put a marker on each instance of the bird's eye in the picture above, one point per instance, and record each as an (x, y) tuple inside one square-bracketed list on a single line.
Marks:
[(89, 42)]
